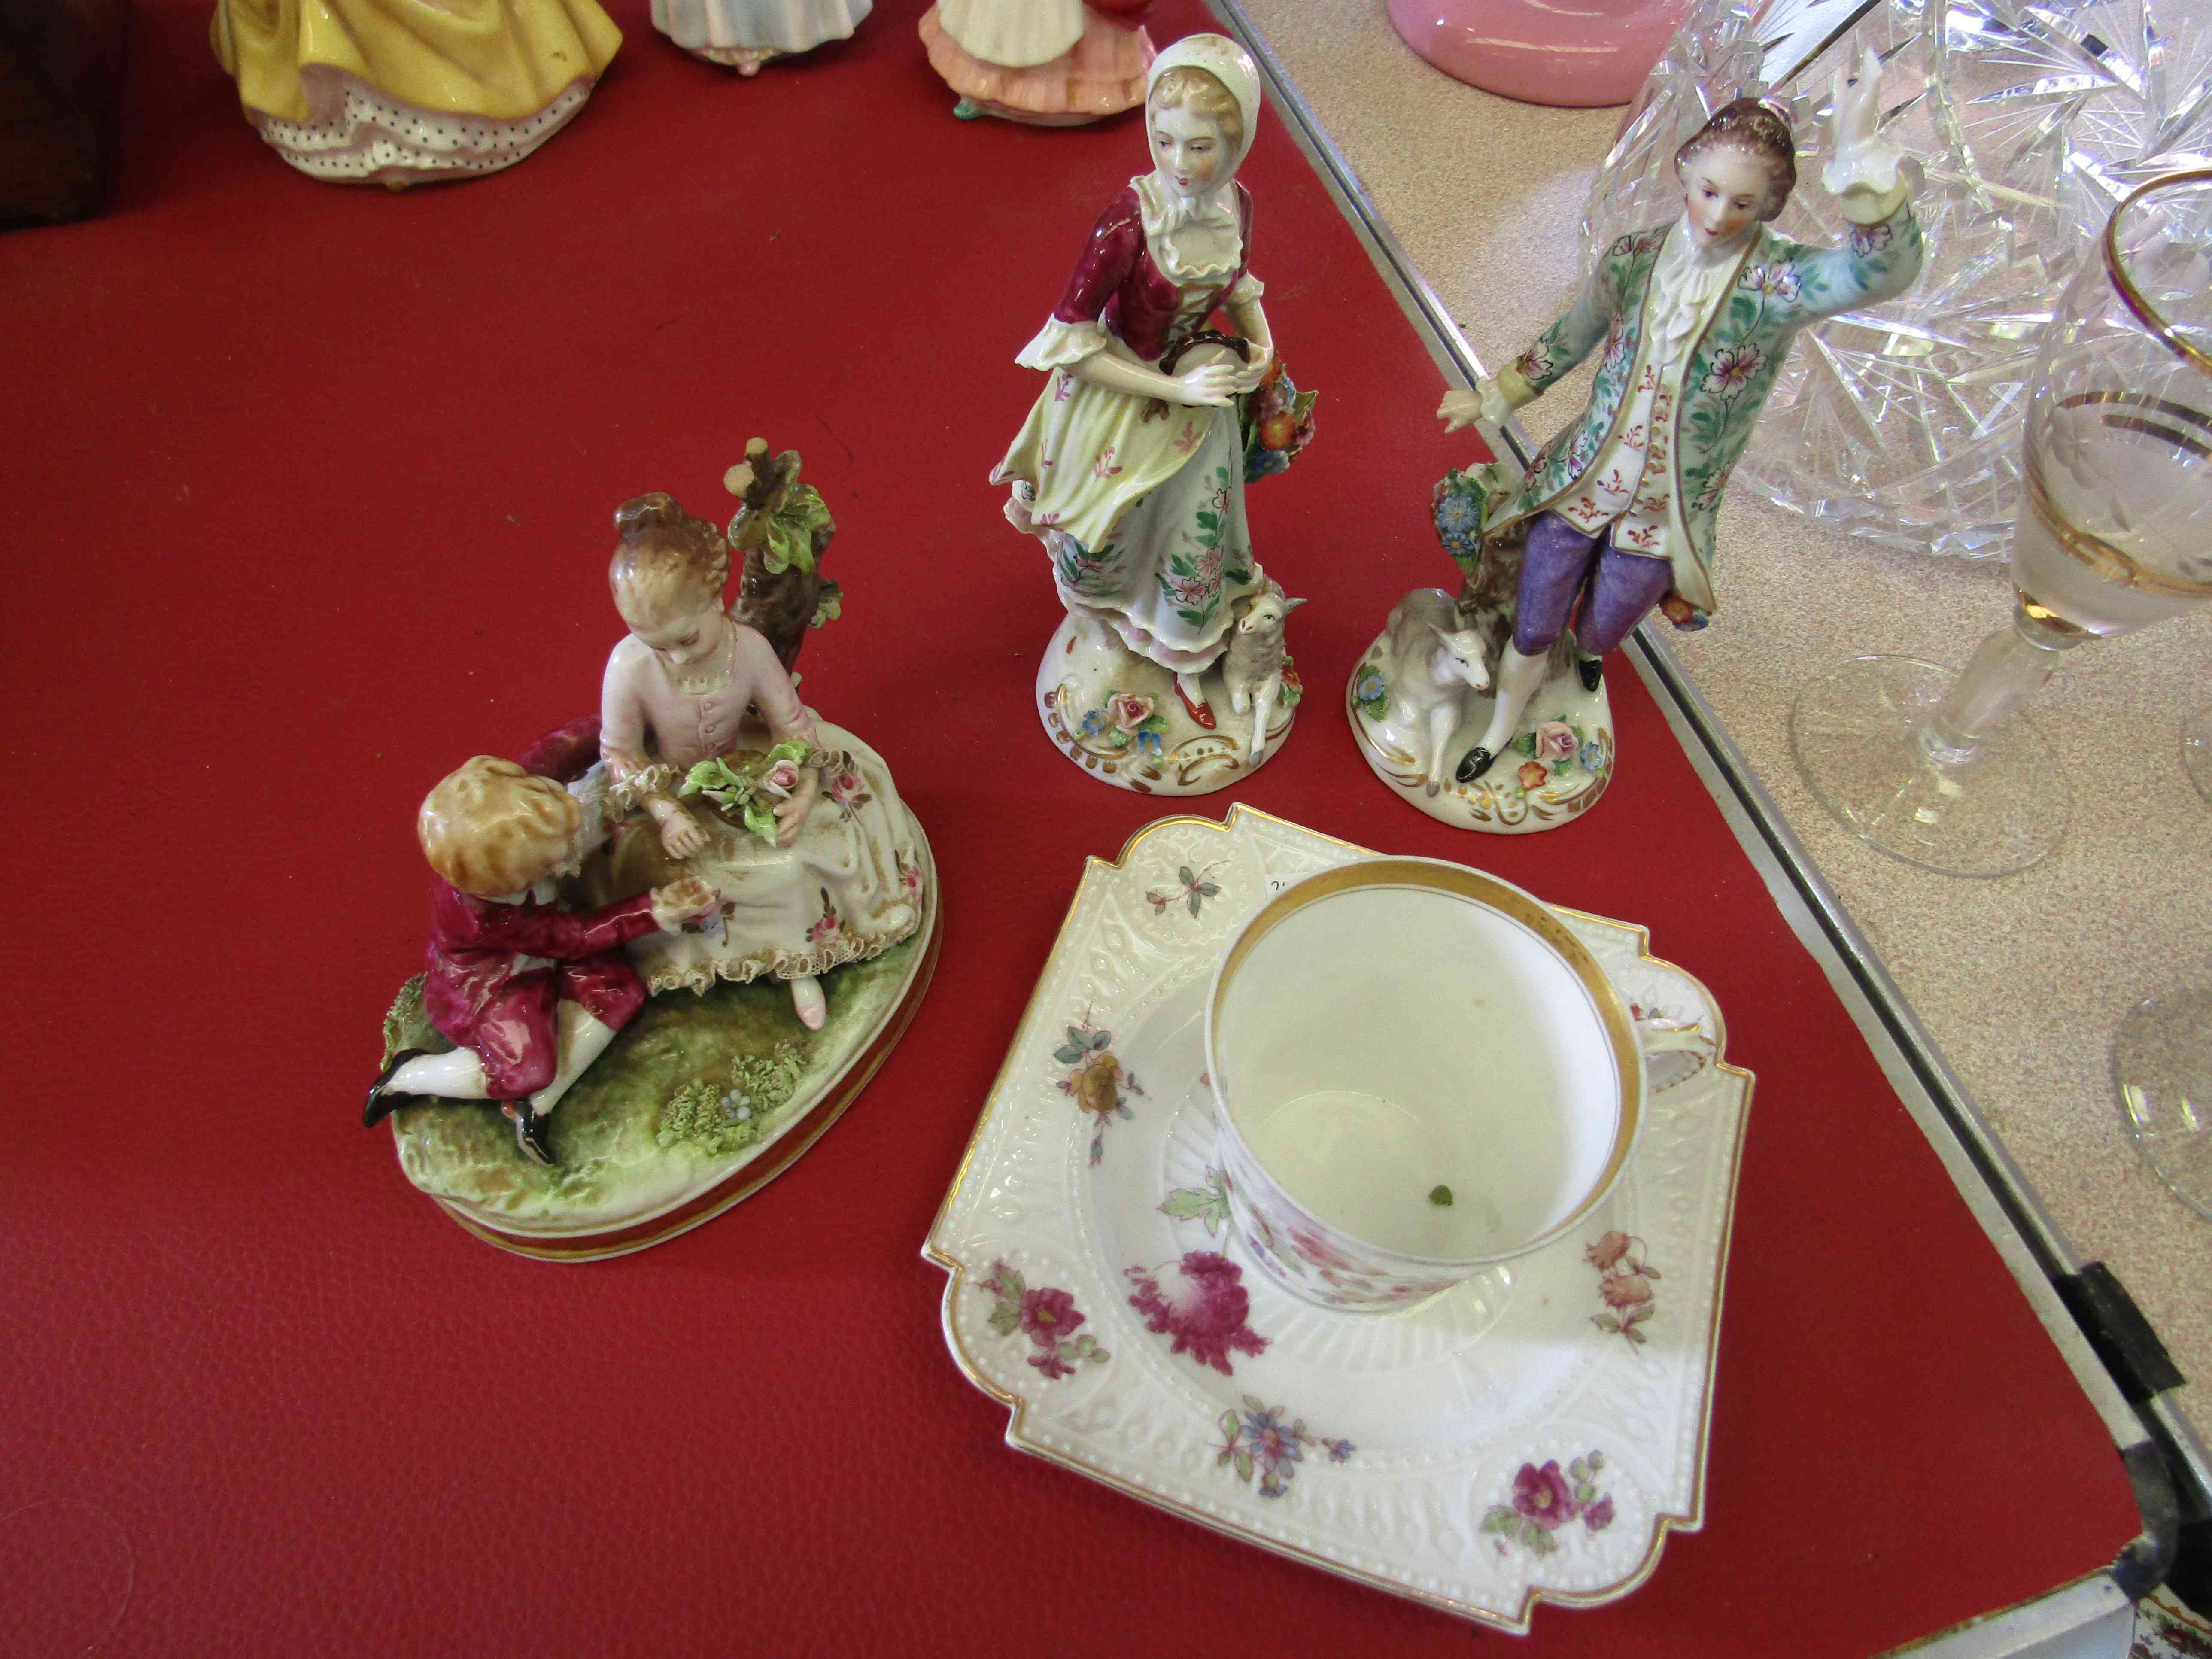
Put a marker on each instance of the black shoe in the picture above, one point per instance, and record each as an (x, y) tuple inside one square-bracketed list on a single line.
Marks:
[(530, 1132), (1592, 669), (1473, 764), (383, 1102)]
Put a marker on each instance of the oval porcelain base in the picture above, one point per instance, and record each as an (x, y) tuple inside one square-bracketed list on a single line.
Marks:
[(1162, 752), (627, 1188), (1520, 793)]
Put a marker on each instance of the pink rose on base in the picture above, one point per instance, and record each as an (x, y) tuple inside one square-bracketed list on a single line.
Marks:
[(1556, 742), (1128, 710)]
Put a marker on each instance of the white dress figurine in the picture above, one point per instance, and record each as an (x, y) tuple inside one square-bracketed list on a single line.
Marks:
[(743, 34)]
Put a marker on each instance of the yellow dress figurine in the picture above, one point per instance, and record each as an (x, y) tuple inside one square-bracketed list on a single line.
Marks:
[(398, 92)]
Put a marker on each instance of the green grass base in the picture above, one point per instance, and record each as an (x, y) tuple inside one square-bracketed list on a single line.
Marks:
[(692, 1089)]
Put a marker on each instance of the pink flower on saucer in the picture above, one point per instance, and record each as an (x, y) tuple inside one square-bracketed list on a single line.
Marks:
[(1599, 1515), (1544, 1496), (1048, 1314), (1201, 1302), (1625, 1290), (1607, 1250)]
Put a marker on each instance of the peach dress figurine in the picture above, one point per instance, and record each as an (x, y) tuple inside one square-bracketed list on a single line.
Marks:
[(1048, 63)]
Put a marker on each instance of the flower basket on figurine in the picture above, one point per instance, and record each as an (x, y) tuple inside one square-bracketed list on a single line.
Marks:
[(1276, 422)]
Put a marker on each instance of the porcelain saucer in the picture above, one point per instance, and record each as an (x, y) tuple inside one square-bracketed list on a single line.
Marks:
[(1530, 1436)]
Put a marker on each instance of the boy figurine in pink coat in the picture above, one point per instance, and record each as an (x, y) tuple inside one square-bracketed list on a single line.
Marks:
[(531, 992)]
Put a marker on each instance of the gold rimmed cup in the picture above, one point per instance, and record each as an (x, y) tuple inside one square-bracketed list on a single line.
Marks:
[(1417, 1074)]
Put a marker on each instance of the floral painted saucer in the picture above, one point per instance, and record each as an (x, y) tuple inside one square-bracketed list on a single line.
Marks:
[(1532, 1435)]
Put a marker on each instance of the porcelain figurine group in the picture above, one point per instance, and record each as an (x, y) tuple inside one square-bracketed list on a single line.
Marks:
[(404, 92), (709, 832)]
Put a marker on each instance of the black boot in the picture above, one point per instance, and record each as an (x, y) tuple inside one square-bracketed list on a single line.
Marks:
[(382, 1101), (530, 1132), (1592, 669), (1473, 764)]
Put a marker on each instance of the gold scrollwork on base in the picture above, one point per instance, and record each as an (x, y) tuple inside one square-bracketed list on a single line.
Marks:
[(1196, 765)]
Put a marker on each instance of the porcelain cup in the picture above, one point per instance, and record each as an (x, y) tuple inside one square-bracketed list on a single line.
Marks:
[(1418, 1073)]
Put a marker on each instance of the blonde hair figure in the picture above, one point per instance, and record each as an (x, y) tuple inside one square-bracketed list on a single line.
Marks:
[(530, 993)]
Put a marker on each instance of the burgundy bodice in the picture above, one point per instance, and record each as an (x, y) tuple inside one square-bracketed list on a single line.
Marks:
[(1117, 283)]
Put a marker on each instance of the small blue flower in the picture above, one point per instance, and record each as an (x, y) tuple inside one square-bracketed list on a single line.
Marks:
[(1592, 758), (1340, 1451), (1150, 743)]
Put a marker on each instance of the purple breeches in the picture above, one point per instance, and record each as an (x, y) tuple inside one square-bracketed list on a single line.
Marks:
[(1558, 563)]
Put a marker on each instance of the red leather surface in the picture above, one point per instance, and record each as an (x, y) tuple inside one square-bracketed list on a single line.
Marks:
[(308, 496)]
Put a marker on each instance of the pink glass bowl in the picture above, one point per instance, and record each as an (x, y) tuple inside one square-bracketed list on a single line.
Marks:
[(1581, 56)]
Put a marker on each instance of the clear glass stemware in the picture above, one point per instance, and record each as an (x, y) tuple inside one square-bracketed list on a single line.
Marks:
[(2115, 534)]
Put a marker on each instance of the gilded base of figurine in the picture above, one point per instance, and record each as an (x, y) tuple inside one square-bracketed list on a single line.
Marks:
[(1554, 770), (1119, 716), (701, 1100)]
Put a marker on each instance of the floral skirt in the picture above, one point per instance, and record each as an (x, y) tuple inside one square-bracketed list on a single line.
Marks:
[(1141, 505), (849, 888)]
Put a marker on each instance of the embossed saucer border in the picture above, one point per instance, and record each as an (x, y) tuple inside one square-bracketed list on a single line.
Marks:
[(967, 1275)]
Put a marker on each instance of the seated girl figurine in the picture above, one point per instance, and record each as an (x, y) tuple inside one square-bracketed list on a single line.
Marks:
[(531, 994), (1616, 514), (726, 776)]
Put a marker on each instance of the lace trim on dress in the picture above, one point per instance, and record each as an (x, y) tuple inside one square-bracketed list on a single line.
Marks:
[(700, 976), (1192, 240), (1063, 345), (633, 787)]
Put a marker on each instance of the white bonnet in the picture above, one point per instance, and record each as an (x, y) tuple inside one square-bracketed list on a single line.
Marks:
[(1227, 63)]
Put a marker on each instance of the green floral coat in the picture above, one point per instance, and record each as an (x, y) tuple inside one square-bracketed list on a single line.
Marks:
[(1779, 286)]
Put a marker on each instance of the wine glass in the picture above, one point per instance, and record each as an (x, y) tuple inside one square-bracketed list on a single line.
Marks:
[(2162, 1068), (1944, 771)]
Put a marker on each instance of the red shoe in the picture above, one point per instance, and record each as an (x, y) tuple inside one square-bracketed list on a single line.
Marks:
[(1200, 712)]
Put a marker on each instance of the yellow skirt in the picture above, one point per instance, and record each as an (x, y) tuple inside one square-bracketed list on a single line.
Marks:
[(500, 60)]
